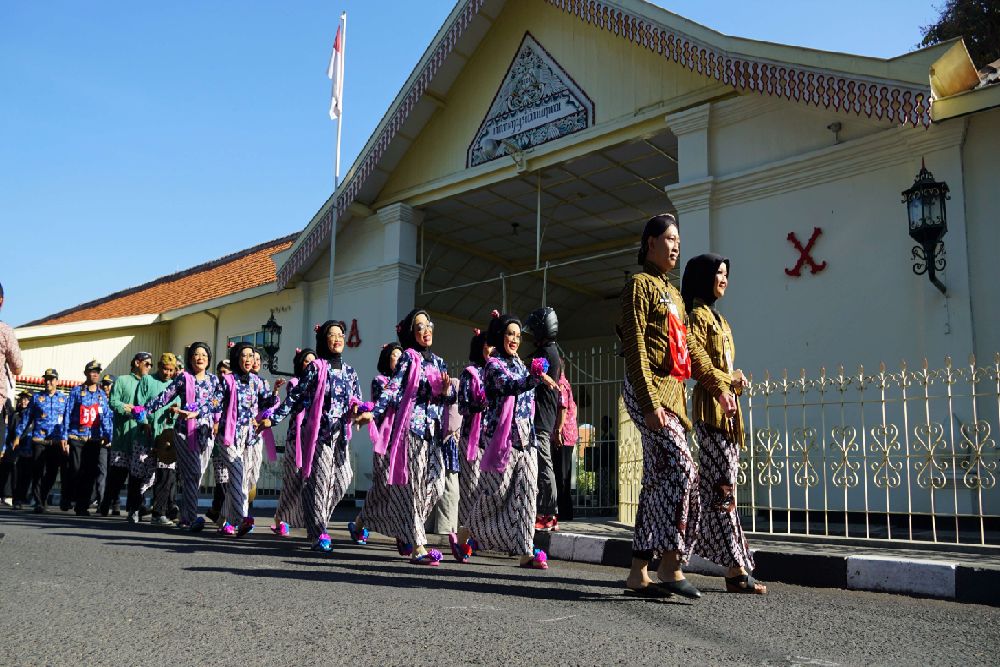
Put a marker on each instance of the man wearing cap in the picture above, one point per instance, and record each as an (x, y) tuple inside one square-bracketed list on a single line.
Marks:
[(41, 432), (9, 459), (161, 423), (88, 427), (107, 382), (129, 458)]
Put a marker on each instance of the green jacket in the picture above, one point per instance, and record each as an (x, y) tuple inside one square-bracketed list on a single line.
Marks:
[(126, 430), (150, 387)]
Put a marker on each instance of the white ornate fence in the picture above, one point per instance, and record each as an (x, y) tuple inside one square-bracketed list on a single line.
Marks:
[(896, 454)]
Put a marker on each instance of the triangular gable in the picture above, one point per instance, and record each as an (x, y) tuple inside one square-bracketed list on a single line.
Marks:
[(537, 102)]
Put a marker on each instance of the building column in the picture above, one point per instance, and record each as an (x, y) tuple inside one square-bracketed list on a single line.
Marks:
[(400, 225), (692, 194)]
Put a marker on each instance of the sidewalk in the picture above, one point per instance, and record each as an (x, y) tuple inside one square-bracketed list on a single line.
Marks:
[(963, 573)]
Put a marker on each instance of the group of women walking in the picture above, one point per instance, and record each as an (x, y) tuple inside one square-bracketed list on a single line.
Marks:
[(668, 337), (234, 414)]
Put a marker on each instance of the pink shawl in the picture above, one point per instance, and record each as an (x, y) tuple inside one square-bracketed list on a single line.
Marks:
[(307, 446), (191, 424), (296, 429), (399, 423), (476, 419), (229, 432), (497, 454)]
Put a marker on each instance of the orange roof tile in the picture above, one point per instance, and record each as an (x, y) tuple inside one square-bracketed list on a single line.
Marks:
[(233, 273)]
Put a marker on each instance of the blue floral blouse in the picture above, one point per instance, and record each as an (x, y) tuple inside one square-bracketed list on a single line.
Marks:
[(341, 385), (205, 397), (425, 420), (503, 377)]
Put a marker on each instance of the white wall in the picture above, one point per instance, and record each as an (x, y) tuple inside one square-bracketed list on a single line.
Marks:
[(69, 354)]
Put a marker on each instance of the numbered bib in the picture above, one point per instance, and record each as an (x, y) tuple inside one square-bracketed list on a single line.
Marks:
[(88, 415)]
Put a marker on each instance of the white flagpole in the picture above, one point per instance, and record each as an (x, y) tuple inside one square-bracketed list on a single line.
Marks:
[(340, 118), (336, 169)]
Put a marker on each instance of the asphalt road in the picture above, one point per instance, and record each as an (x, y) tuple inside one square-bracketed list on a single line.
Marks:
[(95, 592)]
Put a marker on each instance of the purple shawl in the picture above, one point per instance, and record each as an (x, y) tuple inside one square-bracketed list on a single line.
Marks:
[(307, 447), (296, 428), (229, 432), (191, 424), (476, 419), (398, 425), (497, 453)]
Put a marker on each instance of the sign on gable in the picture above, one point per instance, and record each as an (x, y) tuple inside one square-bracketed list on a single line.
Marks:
[(536, 103)]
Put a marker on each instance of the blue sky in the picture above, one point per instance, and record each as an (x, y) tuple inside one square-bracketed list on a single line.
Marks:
[(138, 139)]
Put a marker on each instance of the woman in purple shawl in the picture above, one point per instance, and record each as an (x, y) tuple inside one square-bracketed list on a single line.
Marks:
[(503, 518), (415, 396), (289, 510), (330, 394)]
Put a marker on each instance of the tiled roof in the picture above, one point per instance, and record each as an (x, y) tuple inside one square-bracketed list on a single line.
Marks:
[(990, 74), (233, 273)]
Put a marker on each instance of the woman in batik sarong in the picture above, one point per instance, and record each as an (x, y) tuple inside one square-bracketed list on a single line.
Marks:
[(289, 510), (379, 429), (416, 396), (330, 394), (242, 396), (720, 436), (194, 430), (503, 518), (471, 405)]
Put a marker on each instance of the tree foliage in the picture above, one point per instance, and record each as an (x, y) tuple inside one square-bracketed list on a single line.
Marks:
[(978, 21)]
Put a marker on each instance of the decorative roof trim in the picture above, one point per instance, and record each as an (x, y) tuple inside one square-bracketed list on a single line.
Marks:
[(862, 96)]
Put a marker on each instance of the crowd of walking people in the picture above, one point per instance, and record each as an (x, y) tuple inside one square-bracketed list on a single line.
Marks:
[(479, 454)]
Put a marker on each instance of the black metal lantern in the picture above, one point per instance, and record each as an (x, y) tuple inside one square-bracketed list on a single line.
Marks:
[(271, 342), (928, 220)]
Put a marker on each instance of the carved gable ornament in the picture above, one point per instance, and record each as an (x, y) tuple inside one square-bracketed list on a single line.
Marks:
[(536, 103)]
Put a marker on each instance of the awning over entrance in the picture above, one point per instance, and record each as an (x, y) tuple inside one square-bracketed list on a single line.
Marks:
[(564, 236)]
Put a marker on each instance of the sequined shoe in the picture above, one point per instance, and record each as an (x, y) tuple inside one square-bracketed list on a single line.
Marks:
[(539, 562), (432, 558), (227, 530), (197, 525), (323, 544), (404, 548), (246, 526), (357, 536), (282, 529)]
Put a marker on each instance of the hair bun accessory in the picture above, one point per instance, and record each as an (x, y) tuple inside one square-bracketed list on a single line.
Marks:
[(316, 328), (476, 331), (297, 350), (230, 345), (399, 328), (495, 314)]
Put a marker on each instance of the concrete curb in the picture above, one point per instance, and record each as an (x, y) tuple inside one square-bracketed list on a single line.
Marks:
[(947, 580)]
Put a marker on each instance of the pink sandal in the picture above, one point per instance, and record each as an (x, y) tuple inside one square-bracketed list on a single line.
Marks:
[(539, 562), (432, 558)]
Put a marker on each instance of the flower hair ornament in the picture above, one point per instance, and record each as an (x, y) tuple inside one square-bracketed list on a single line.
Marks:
[(297, 350), (230, 345), (495, 314), (385, 345), (399, 328), (316, 328), (476, 331)]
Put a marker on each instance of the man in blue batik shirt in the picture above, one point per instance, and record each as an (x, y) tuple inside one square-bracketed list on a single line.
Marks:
[(41, 431), (87, 428)]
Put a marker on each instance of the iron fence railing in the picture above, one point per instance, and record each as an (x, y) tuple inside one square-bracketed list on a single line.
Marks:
[(902, 455)]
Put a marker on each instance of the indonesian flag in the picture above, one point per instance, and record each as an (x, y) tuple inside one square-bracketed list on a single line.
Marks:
[(335, 72)]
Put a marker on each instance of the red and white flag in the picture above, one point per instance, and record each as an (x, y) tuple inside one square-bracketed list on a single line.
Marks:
[(335, 72)]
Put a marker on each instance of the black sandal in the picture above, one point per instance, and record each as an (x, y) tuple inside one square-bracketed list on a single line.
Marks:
[(683, 588), (744, 583), (650, 591)]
